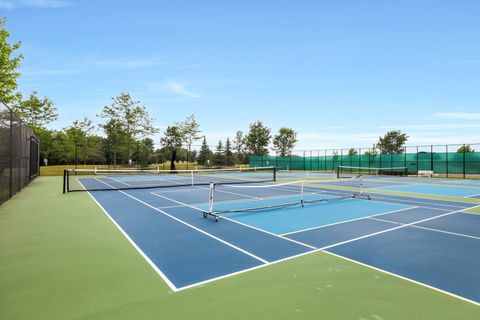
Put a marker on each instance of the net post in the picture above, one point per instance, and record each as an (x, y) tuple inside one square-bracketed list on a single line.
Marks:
[(211, 190), (64, 180), (361, 185), (302, 201), (191, 177), (275, 174)]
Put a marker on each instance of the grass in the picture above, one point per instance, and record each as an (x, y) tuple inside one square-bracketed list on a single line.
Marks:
[(57, 170), (62, 258)]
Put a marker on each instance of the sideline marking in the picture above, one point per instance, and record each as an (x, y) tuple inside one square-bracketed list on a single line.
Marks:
[(140, 251)]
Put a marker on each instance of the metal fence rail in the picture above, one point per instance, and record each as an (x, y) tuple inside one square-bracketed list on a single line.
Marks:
[(19, 151), (443, 160)]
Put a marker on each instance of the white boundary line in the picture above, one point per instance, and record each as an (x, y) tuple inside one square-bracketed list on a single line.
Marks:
[(295, 256), (430, 229), (346, 221), (376, 196), (193, 227), (140, 251), (246, 225), (403, 278), (473, 195)]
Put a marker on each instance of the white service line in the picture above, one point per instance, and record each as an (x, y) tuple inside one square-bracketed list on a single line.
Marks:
[(472, 196), (346, 221), (424, 203), (246, 225), (193, 227), (323, 249), (430, 229)]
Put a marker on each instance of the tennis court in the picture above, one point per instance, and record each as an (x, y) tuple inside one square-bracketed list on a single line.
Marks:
[(262, 222)]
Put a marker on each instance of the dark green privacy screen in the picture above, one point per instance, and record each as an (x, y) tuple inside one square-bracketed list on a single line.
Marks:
[(446, 162), (19, 152)]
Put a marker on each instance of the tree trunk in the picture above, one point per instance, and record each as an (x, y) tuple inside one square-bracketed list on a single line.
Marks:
[(172, 161)]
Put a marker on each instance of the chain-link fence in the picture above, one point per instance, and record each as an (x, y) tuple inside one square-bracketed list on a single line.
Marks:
[(19, 150), (454, 160)]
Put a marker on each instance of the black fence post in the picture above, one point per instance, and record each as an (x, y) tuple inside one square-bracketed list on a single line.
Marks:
[(464, 163), (446, 159), (431, 157), (417, 161), (325, 160)]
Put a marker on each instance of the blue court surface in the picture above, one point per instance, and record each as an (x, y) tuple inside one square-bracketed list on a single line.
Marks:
[(424, 240), (435, 190)]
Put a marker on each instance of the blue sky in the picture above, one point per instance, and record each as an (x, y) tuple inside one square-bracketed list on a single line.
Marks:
[(341, 73)]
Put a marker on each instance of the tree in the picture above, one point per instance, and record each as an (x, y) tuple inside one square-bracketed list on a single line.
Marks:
[(284, 141), (126, 120), (352, 152), (204, 154), (257, 139), (229, 161), (219, 155), (9, 63), (372, 151), (239, 146), (191, 130), (144, 152), (172, 139), (465, 149), (36, 112), (392, 142), (79, 133)]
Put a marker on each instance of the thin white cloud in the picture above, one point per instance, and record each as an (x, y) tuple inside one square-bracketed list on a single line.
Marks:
[(180, 88), (458, 115), (173, 87), (12, 4)]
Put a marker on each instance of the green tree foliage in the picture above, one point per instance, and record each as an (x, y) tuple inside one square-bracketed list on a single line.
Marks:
[(373, 151), (191, 131), (257, 139), (36, 112), (87, 148), (229, 156), (144, 152), (284, 141), (239, 147), (465, 149), (352, 152), (126, 121), (9, 63), (204, 154), (392, 142), (219, 155), (173, 139)]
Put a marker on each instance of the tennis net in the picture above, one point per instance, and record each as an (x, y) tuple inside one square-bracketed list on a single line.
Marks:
[(348, 172), (225, 199), (103, 180)]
